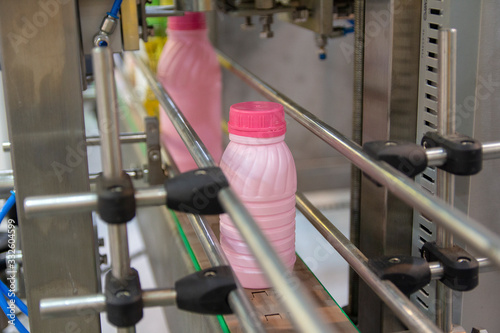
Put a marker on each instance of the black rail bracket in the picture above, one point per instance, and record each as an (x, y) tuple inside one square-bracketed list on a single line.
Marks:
[(196, 191), (206, 291), (124, 305), (461, 269), (409, 158), (464, 155), (407, 273), (116, 200)]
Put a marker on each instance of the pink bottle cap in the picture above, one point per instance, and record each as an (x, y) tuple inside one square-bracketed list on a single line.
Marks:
[(257, 119), (190, 21)]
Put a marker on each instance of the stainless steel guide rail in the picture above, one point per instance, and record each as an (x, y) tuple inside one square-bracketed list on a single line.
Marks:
[(472, 232), (292, 296), (406, 311), (96, 141)]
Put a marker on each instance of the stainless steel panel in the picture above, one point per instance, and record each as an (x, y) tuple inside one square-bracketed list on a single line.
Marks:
[(480, 307), (392, 38), (40, 55)]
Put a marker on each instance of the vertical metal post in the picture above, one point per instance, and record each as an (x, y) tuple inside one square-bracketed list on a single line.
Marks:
[(445, 180), (107, 111)]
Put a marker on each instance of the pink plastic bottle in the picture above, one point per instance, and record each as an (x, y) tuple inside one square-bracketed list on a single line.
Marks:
[(189, 71), (261, 170)]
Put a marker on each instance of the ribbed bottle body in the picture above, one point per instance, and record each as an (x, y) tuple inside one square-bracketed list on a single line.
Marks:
[(189, 71), (262, 172)]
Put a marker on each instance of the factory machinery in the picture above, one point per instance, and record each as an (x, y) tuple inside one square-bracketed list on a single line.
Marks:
[(424, 243)]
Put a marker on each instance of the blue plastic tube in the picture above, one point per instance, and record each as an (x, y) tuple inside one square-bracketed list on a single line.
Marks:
[(8, 205), (115, 9), (10, 295), (17, 324)]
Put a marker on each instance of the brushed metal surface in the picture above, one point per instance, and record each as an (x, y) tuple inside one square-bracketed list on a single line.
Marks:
[(41, 67), (392, 39), (480, 307)]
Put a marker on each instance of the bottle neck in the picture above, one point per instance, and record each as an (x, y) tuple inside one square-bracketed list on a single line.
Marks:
[(255, 141)]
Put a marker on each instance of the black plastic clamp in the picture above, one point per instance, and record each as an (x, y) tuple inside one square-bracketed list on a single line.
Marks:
[(464, 155), (196, 191), (461, 270), (409, 158), (206, 291), (116, 200), (124, 305), (407, 273)]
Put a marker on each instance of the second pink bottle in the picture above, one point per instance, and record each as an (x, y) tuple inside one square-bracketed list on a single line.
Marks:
[(189, 71)]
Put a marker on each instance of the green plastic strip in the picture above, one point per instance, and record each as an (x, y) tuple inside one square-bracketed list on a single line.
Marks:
[(345, 314)]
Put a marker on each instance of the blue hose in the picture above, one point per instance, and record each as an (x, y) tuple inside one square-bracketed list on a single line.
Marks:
[(10, 295), (115, 9), (8, 205), (12, 317)]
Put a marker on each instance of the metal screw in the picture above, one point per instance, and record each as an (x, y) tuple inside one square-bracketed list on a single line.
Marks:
[(123, 293), (210, 274), (116, 189), (466, 142), (390, 143), (153, 155), (394, 260), (463, 259)]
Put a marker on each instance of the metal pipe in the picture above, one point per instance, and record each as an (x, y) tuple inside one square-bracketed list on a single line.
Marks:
[(292, 297), (118, 250), (81, 305), (72, 306), (107, 112), (438, 156), (491, 150), (445, 181), (474, 233), (111, 156), (6, 146), (403, 308), (96, 140), (437, 270), (48, 205), (125, 138), (159, 297), (133, 173)]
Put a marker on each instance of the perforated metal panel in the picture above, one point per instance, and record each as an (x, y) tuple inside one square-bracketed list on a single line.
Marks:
[(433, 17), (464, 16)]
